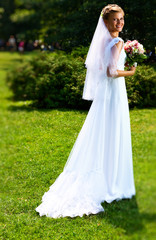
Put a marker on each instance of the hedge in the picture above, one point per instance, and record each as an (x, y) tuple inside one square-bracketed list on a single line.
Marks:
[(57, 80)]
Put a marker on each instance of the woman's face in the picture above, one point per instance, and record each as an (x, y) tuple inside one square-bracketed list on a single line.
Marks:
[(115, 22)]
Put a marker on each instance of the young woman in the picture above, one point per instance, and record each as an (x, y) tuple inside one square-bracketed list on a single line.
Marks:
[(99, 167)]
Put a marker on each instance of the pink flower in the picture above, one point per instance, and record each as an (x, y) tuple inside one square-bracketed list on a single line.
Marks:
[(134, 50)]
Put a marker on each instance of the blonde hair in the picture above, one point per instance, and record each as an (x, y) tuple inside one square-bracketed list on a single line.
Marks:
[(110, 8)]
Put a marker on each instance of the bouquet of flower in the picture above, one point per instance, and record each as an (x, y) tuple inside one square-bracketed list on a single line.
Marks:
[(135, 53)]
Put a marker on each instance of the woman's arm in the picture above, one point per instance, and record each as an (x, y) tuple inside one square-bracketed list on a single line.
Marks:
[(120, 73)]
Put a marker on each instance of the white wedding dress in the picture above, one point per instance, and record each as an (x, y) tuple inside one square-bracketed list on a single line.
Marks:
[(99, 167)]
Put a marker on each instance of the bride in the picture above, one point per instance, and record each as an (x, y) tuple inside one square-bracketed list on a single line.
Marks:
[(99, 167)]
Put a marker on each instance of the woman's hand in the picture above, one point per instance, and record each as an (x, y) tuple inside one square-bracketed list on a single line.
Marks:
[(130, 72), (133, 69)]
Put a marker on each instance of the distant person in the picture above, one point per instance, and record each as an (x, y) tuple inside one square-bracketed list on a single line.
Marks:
[(57, 46), (21, 46), (148, 53), (30, 46), (36, 44), (2, 44), (12, 43), (43, 47), (51, 47), (151, 55)]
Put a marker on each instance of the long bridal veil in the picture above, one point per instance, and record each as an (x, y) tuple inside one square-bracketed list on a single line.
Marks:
[(101, 56)]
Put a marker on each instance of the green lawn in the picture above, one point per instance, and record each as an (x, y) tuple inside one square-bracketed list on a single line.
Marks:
[(34, 146)]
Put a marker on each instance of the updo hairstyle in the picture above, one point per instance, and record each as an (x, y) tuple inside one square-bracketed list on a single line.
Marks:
[(110, 8)]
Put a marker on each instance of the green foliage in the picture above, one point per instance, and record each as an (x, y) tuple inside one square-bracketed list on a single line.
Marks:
[(139, 58), (62, 85), (57, 80), (141, 87), (24, 81), (7, 27), (80, 51)]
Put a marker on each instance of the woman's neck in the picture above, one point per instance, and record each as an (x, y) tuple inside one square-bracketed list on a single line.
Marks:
[(114, 34)]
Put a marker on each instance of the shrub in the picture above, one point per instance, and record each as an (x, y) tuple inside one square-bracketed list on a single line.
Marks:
[(80, 51), (57, 80), (62, 85), (141, 87), (54, 80), (22, 80)]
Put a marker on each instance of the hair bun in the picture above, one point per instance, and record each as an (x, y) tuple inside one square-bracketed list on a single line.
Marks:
[(110, 8)]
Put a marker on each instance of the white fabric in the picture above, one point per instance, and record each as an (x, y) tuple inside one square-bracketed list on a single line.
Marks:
[(112, 54), (101, 55), (99, 167)]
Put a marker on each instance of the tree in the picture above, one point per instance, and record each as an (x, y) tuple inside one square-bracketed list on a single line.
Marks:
[(7, 7), (73, 22)]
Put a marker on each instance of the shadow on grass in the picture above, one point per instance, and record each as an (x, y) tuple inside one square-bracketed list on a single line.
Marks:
[(7, 67), (24, 106), (27, 108), (32, 107), (125, 214), (4, 68)]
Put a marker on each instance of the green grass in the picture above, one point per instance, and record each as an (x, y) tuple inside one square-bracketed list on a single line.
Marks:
[(34, 146)]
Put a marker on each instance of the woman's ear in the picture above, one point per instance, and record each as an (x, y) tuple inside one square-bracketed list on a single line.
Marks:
[(106, 22)]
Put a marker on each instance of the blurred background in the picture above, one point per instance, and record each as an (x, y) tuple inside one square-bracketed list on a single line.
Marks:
[(64, 24)]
